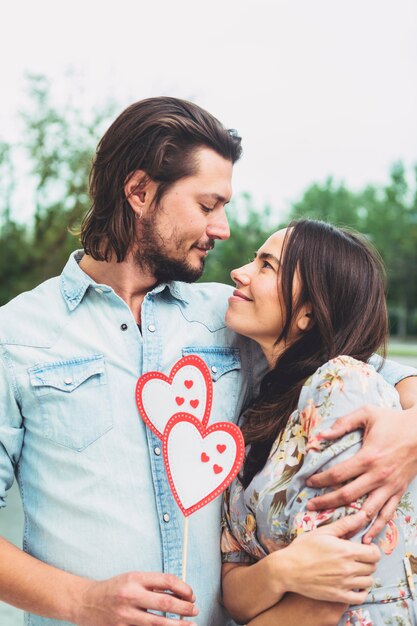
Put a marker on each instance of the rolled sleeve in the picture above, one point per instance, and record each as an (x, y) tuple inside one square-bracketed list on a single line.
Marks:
[(11, 429), (231, 550)]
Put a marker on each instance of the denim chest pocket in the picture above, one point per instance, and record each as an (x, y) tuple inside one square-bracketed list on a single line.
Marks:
[(224, 365), (74, 400)]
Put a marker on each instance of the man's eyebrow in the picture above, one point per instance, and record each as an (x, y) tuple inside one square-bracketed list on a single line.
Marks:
[(267, 256), (215, 196)]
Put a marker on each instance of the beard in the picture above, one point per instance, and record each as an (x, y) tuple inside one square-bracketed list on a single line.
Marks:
[(150, 256)]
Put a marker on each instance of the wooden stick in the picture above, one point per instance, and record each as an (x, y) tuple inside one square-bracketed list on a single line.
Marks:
[(185, 549)]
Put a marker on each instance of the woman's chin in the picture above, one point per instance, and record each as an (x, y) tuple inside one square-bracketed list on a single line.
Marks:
[(232, 323)]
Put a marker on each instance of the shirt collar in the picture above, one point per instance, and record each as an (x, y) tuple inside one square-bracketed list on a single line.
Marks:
[(74, 284), (176, 289)]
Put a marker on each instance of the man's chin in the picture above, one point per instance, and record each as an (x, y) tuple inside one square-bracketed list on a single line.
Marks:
[(180, 271)]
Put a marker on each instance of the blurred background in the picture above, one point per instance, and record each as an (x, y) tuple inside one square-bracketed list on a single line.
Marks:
[(323, 93)]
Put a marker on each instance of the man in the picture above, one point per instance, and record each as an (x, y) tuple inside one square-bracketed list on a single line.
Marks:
[(99, 515)]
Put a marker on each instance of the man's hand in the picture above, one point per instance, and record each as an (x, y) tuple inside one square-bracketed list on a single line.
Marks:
[(125, 600), (383, 468)]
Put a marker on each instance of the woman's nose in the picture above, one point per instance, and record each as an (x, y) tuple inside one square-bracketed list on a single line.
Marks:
[(240, 275)]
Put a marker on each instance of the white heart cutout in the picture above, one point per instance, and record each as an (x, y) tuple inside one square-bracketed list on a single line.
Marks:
[(188, 388), (200, 462)]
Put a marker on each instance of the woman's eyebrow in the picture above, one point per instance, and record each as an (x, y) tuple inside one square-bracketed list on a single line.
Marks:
[(267, 256)]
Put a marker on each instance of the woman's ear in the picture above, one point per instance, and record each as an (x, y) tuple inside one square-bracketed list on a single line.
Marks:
[(139, 191), (305, 318)]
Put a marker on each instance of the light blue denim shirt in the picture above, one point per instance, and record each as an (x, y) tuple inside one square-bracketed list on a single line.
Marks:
[(96, 499), (92, 480)]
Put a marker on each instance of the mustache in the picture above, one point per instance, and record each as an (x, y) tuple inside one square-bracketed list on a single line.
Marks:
[(205, 245)]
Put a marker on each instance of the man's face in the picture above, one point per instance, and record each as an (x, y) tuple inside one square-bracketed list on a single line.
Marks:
[(176, 236)]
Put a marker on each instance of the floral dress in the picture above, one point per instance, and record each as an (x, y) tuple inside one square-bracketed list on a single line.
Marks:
[(271, 512)]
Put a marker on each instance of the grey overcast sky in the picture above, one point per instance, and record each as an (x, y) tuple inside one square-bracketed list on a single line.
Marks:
[(315, 87)]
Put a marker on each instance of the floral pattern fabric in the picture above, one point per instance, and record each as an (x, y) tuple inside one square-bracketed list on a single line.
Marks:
[(271, 512)]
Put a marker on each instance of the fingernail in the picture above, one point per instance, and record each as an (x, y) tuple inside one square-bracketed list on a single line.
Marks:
[(310, 506), (195, 611)]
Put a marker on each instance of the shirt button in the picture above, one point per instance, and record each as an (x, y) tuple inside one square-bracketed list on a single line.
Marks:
[(214, 369), (151, 328), (123, 327), (166, 517), (99, 290), (157, 451), (68, 380)]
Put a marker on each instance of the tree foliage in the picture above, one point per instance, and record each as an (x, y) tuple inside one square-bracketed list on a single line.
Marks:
[(388, 216), (59, 146)]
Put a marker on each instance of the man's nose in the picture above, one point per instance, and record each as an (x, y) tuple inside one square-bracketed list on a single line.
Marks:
[(218, 227)]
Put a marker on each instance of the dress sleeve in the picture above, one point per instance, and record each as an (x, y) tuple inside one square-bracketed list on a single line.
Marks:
[(340, 386), (232, 542), (11, 430)]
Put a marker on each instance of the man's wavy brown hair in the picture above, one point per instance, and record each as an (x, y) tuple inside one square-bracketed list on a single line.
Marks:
[(159, 136)]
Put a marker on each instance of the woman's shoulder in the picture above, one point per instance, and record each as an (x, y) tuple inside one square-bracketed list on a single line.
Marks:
[(341, 375), (342, 365)]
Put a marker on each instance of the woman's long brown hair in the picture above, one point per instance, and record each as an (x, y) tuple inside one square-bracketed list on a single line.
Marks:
[(342, 278)]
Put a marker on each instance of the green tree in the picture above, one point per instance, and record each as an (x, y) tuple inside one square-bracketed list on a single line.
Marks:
[(59, 145), (391, 221), (330, 202), (388, 216)]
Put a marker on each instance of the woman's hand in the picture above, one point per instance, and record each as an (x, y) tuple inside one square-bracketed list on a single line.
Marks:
[(323, 566), (320, 564), (383, 468)]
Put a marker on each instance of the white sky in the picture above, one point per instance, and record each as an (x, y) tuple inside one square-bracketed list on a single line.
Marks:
[(315, 87)]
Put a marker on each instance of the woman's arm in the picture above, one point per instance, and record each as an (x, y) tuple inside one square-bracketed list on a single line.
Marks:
[(296, 610), (319, 564)]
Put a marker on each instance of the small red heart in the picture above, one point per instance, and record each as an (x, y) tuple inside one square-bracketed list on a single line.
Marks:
[(194, 403), (188, 383), (221, 448), (179, 400), (217, 469), (204, 457)]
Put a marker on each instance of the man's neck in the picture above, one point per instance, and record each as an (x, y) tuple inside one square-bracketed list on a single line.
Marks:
[(124, 278)]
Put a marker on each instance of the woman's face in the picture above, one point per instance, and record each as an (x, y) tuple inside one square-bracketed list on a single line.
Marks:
[(255, 308)]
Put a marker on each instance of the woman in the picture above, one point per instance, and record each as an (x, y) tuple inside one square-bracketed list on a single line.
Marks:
[(313, 298)]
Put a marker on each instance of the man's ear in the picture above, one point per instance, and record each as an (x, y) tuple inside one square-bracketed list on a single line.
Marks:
[(305, 318), (139, 191)]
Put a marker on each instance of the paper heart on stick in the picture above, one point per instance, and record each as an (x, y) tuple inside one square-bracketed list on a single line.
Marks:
[(197, 471), (188, 386)]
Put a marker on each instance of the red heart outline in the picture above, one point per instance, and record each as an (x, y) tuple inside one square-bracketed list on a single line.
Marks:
[(190, 359), (231, 429)]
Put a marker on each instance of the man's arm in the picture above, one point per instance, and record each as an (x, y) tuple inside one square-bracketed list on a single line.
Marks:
[(383, 471), (38, 588)]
